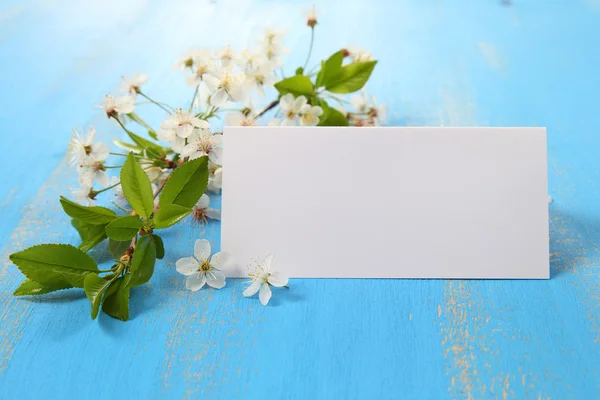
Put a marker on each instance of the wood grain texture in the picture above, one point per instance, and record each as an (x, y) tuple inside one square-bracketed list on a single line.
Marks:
[(498, 63)]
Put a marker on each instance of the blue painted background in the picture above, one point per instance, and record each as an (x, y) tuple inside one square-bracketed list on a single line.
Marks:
[(511, 63)]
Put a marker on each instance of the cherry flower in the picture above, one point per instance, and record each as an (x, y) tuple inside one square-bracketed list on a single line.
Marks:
[(203, 66), (201, 143), (262, 278), (296, 110), (309, 115), (272, 47), (81, 147), (227, 86), (118, 105), (215, 177), (226, 56), (178, 127), (132, 85), (201, 269), (92, 169), (84, 193), (291, 107), (201, 213), (238, 118), (187, 61), (261, 77)]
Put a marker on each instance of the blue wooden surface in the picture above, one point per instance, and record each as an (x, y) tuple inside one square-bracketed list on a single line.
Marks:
[(511, 63)]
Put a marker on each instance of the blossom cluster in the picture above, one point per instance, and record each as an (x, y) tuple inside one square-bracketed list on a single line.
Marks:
[(163, 175)]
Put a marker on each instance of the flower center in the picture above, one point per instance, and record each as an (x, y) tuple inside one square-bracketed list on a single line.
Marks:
[(204, 144), (88, 149), (199, 215), (204, 266)]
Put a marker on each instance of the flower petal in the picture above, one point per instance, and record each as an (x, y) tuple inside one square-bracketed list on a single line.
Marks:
[(265, 294), (268, 261), (216, 155), (277, 279), (213, 213), (203, 202), (252, 289), (187, 266), (194, 283), (286, 101), (219, 98), (215, 279), (220, 259), (202, 249), (184, 130)]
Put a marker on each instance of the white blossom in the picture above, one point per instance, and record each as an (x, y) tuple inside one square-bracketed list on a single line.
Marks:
[(118, 105), (84, 194), (215, 177), (309, 115), (201, 143), (261, 77), (202, 269), (226, 56), (132, 85), (262, 278), (297, 111), (238, 118), (201, 211), (178, 127), (203, 66), (227, 86), (187, 61), (81, 147)]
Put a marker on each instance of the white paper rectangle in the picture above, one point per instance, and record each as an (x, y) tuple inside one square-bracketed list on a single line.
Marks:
[(399, 202)]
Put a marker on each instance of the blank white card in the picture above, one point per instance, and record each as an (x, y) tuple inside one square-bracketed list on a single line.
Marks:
[(387, 202)]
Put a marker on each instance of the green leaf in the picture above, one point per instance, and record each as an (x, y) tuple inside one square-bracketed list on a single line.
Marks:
[(352, 77), (118, 248), (128, 146), (299, 71), (91, 235), (142, 264), (297, 85), (330, 68), (32, 288), (136, 187), (160, 246), (169, 215), (186, 184), (94, 287), (92, 215), (116, 300), (136, 118), (331, 116), (146, 144), (54, 264), (124, 228)]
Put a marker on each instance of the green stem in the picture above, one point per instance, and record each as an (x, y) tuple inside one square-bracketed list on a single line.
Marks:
[(112, 166), (194, 97), (97, 192), (119, 154), (155, 102), (312, 39)]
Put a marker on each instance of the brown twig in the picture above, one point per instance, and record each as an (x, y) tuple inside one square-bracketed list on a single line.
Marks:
[(271, 106)]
